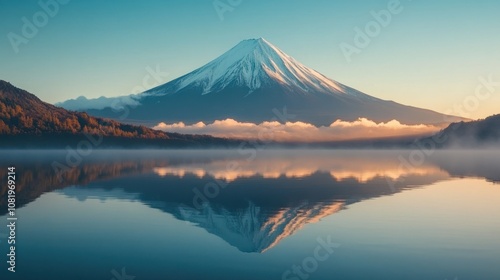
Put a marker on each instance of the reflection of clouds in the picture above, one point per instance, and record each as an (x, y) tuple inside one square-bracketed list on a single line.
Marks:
[(300, 131), (393, 174), (360, 169), (164, 171)]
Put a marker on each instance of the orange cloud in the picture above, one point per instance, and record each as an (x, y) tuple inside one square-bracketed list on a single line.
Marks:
[(301, 131)]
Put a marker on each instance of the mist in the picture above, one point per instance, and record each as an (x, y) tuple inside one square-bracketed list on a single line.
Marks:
[(301, 132)]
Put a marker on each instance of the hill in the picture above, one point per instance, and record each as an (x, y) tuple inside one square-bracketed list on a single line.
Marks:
[(475, 134), (26, 121)]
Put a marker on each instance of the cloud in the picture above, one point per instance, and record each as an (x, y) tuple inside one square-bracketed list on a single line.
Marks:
[(301, 131), (82, 103)]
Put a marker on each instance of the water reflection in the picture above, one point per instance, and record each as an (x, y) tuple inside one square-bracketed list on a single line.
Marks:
[(254, 229), (340, 168), (252, 204)]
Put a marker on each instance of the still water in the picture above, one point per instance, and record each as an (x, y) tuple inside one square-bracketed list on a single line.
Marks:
[(289, 214)]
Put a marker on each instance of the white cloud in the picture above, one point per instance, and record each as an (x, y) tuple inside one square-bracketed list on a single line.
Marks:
[(301, 131)]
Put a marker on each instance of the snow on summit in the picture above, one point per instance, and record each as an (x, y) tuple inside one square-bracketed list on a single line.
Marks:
[(253, 63), (248, 83)]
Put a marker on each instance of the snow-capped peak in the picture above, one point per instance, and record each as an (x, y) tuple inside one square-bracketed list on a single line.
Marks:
[(253, 63), (250, 65)]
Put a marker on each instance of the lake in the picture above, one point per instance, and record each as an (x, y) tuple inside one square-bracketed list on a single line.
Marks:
[(253, 214)]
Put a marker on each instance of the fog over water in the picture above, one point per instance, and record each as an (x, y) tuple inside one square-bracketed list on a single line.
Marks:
[(254, 214)]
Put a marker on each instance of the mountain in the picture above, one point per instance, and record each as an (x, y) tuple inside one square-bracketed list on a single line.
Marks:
[(253, 229), (25, 120), (249, 83), (258, 209), (252, 214), (481, 133)]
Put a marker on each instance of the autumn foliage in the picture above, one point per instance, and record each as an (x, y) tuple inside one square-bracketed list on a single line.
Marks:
[(23, 113)]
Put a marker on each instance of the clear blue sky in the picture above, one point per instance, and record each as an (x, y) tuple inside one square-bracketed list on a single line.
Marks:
[(430, 55)]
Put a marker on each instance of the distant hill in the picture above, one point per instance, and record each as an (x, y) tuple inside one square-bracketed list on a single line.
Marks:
[(474, 134), (26, 121)]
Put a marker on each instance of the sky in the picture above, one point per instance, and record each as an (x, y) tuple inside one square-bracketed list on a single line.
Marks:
[(429, 54)]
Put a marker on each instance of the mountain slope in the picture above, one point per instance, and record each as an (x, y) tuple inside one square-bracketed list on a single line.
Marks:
[(253, 64), (23, 116), (474, 134), (249, 83)]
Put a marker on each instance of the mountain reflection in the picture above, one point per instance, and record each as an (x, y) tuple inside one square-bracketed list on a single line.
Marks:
[(340, 168), (254, 203), (254, 229)]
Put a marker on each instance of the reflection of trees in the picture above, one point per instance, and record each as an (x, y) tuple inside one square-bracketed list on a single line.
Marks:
[(32, 180), (347, 176), (474, 163)]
